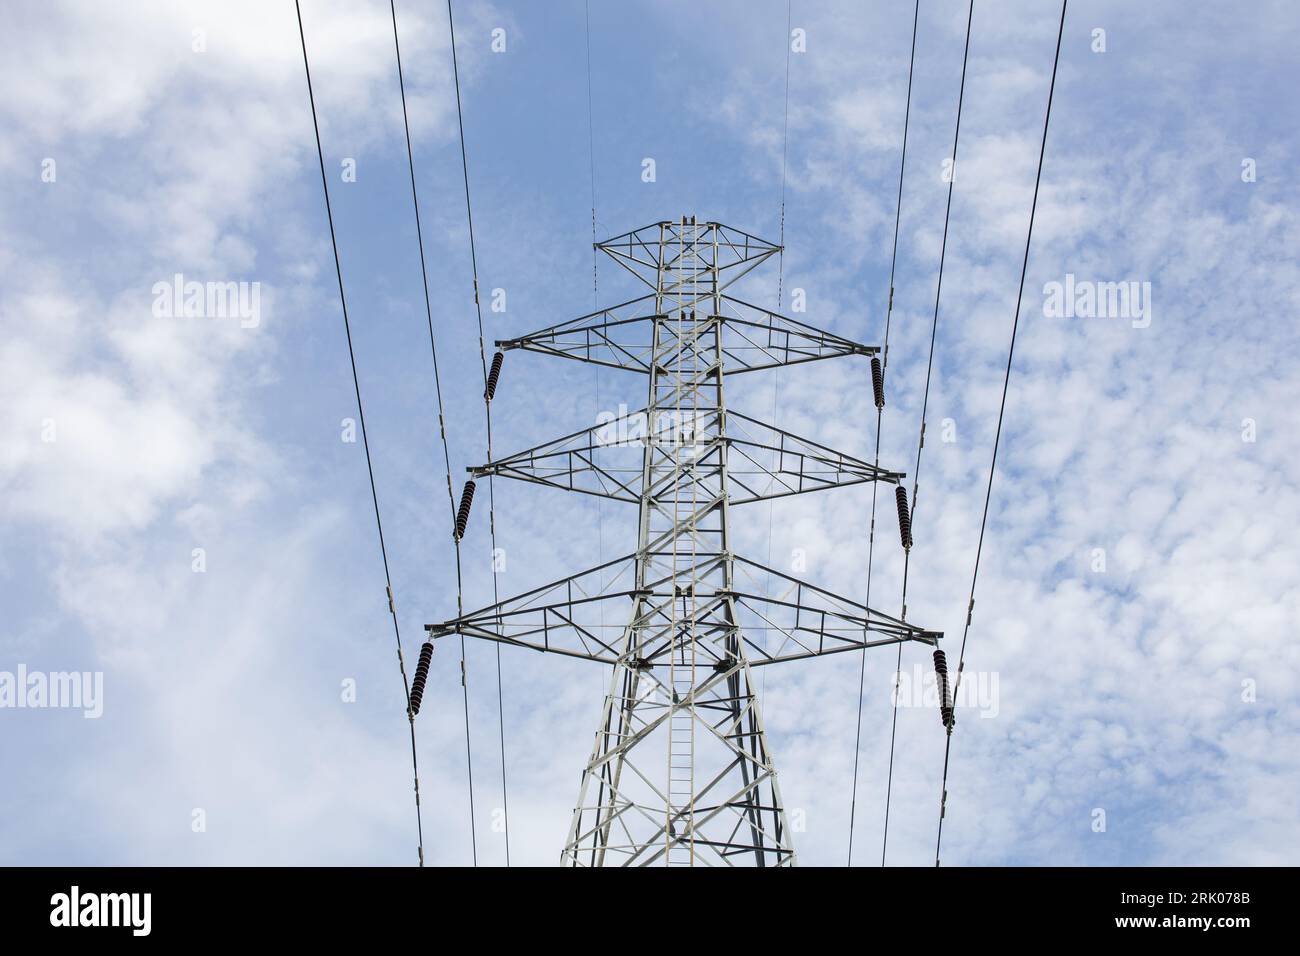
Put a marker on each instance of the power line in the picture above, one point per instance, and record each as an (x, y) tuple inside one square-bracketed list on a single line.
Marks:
[(365, 442), (780, 292), (595, 296), (925, 408), (871, 537), (591, 161), (442, 427), (487, 409), (785, 152), (997, 437), (595, 278)]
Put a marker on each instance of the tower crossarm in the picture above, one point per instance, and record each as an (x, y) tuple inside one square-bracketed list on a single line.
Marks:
[(753, 338), (792, 620), (769, 462), (797, 620), (766, 462), (616, 337), (759, 339)]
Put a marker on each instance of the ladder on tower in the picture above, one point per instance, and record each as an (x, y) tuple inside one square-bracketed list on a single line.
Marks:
[(681, 724), (681, 754)]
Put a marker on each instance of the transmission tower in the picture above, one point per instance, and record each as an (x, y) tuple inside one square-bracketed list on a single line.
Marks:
[(681, 772)]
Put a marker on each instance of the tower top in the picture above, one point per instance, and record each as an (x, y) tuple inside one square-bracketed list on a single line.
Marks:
[(723, 250)]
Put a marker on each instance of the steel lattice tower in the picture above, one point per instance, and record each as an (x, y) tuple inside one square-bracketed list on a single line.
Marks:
[(681, 772)]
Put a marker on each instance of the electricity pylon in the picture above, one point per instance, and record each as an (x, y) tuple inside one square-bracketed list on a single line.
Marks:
[(681, 772)]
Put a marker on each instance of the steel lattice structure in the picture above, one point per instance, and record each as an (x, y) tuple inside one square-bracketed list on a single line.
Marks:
[(681, 772)]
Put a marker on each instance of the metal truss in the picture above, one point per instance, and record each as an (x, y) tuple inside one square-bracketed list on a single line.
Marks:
[(753, 338), (577, 616), (607, 459), (669, 256), (680, 772)]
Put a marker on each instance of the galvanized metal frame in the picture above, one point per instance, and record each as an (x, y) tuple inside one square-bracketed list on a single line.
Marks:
[(680, 771)]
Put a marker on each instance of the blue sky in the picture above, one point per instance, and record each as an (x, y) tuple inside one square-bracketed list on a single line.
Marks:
[(1119, 690)]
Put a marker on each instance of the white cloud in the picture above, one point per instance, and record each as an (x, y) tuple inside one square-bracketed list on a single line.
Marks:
[(1119, 690), (174, 161)]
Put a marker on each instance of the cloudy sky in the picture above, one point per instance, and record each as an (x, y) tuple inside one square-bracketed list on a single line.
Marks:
[(1140, 587)]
